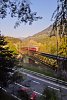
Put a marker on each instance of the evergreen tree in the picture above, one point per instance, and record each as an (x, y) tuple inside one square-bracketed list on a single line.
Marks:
[(60, 24), (60, 17), (7, 60)]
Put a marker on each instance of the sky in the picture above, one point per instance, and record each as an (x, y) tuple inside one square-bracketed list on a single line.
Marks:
[(44, 8)]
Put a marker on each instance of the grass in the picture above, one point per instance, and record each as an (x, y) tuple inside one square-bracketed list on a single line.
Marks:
[(38, 70), (41, 70)]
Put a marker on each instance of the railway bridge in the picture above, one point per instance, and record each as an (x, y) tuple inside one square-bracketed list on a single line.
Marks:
[(56, 63)]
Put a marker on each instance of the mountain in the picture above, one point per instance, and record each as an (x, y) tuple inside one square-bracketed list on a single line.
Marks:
[(47, 42), (21, 38), (45, 31), (39, 37), (42, 40), (14, 44), (12, 39)]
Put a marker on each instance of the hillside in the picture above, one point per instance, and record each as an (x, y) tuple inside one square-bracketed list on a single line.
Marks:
[(13, 43), (12, 39), (39, 37), (42, 40), (45, 31), (45, 43)]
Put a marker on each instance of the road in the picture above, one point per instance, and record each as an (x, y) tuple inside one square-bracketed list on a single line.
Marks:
[(38, 84)]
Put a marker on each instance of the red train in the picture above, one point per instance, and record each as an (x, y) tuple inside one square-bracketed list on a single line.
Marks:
[(35, 49)]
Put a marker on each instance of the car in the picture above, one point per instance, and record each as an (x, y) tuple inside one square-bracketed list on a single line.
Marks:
[(27, 94), (33, 96)]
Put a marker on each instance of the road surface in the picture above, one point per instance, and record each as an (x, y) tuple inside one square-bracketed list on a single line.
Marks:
[(38, 84)]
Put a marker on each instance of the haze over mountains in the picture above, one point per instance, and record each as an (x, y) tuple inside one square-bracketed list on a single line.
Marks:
[(45, 32)]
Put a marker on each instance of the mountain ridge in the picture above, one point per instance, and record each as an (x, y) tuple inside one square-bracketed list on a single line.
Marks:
[(40, 35), (45, 31)]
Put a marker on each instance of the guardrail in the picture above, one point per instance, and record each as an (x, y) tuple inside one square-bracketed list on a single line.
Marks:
[(44, 77), (53, 56)]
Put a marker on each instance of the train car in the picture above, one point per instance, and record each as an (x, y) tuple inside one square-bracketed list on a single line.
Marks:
[(34, 49)]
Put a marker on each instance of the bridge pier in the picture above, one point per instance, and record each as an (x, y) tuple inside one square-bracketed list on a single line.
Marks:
[(28, 60)]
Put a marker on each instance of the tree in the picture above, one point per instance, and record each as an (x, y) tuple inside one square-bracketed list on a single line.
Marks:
[(60, 17), (49, 94), (18, 8), (60, 23), (7, 60)]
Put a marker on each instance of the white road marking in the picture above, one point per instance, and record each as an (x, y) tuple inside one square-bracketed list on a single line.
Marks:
[(54, 88), (58, 85), (21, 85), (15, 97), (38, 93), (36, 82), (11, 94), (4, 90)]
